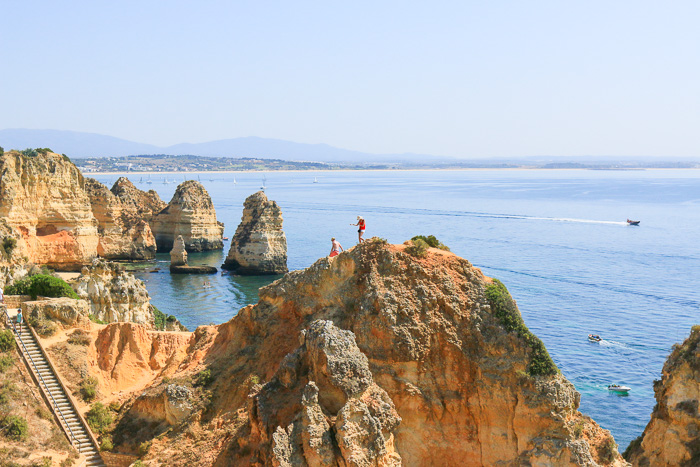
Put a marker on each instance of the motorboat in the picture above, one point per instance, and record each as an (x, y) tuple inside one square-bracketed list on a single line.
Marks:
[(226, 239), (594, 338), (619, 389), (631, 222)]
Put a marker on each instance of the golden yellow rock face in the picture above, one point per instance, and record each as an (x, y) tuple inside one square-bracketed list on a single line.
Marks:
[(372, 358), (43, 198), (190, 214), (672, 437)]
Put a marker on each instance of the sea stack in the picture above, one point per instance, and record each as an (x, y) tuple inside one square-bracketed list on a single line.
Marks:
[(124, 234), (191, 214), (178, 255), (259, 245), (672, 436)]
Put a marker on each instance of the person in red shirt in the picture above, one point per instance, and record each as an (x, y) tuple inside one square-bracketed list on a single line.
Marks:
[(360, 228)]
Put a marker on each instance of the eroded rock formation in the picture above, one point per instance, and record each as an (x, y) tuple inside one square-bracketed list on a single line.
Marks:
[(43, 198), (178, 255), (191, 214), (123, 229), (259, 245), (146, 204), (672, 437), (400, 360), (67, 311)]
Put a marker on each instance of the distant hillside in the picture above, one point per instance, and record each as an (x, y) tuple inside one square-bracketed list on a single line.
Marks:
[(81, 145)]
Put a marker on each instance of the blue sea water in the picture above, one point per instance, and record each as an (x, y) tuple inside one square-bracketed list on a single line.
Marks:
[(557, 238)]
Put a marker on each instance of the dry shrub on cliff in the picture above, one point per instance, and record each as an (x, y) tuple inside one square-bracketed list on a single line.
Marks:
[(432, 241), (417, 248), (504, 308), (7, 341), (99, 418), (88, 388), (42, 326), (79, 337)]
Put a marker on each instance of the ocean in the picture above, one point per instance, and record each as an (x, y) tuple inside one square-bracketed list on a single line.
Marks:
[(558, 239)]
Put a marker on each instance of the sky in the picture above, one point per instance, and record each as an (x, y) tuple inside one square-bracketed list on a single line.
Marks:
[(468, 79)]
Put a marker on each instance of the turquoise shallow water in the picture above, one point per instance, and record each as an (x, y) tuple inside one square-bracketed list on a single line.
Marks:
[(557, 239)]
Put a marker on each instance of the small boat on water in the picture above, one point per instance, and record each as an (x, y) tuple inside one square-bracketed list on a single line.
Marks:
[(315, 180), (619, 389), (594, 338), (226, 239), (631, 222)]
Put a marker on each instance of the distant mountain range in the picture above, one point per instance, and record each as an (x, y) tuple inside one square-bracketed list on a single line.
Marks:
[(78, 144)]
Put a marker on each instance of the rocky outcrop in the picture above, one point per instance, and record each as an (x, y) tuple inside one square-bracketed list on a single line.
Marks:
[(403, 360), (191, 214), (672, 437), (342, 417), (124, 232), (43, 198), (178, 255), (259, 245), (67, 311), (114, 294)]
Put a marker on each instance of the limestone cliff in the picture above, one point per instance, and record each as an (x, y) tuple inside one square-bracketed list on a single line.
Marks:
[(124, 233), (43, 198), (259, 245), (672, 437), (191, 214), (378, 358), (146, 204)]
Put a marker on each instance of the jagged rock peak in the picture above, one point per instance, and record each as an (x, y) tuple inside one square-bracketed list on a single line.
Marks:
[(672, 437), (342, 416), (191, 214), (259, 245), (146, 203)]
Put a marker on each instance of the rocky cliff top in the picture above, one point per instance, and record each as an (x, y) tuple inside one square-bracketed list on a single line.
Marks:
[(672, 437), (375, 358)]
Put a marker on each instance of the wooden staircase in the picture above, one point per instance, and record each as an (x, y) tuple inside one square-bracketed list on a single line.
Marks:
[(55, 393)]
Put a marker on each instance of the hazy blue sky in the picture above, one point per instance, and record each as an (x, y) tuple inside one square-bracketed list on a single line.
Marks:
[(463, 78)]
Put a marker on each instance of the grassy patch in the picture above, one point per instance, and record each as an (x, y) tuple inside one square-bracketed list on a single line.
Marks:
[(42, 326), (161, 319), (203, 378), (96, 320), (504, 308), (41, 284)]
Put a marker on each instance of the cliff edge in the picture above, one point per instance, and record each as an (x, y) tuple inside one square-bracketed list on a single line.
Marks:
[(672, 437), (374, 357)]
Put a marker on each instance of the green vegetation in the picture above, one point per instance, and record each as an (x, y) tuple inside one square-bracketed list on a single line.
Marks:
[(99, 418), (114, 406), (607, 450), (143, 448), (161, 319), (7, 341), (417, 248), (504, 308), (7, 391), (106, 444), (9, 244), (2, 151), (79, 337), (29, 152), (138, 463), (432, 241), (203, 378), (95, 319), (5, 363), (88, 388), (15, 427), (41, 284), (43, 151), (43, 413)]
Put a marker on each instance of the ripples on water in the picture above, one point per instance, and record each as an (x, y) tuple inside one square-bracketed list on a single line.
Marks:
[(557, 239)]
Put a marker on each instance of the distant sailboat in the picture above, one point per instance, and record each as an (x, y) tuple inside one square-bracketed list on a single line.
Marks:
[(263, 184), (141, 180), (234, 180), (198, 179), (315, 180), (149, 180)]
